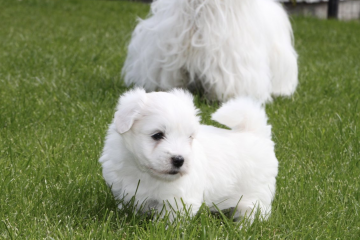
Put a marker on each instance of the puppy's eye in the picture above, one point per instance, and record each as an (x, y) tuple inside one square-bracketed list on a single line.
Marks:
[(158, 136)]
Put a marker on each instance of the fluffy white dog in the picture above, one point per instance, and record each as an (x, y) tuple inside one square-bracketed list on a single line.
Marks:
[(227, 47), (156, 138)]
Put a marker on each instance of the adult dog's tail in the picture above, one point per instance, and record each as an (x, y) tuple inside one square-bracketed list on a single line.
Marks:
[(245, 115)]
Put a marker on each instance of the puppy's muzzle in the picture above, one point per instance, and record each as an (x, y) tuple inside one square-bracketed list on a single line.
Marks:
[(177, 161)]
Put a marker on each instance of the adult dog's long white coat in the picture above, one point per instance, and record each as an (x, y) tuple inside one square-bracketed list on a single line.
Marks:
[(220, 166), (228, 47)]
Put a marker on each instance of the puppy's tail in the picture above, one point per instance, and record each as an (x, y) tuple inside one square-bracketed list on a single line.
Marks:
[(243, 114)]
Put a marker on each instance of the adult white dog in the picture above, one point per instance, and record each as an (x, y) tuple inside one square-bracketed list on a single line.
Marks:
[(156, 139), (228, 47)]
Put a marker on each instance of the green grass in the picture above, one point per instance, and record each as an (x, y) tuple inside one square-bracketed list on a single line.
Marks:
[(59, 83)]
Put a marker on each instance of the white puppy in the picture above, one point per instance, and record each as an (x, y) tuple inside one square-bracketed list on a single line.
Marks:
[(227, 47), (156, 139)]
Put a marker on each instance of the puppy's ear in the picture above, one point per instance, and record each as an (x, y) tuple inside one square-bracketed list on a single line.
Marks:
[(128, 109), (183, 94)]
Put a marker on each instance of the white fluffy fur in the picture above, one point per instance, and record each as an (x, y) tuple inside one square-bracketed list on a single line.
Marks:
[(221, 166), (229, 47)]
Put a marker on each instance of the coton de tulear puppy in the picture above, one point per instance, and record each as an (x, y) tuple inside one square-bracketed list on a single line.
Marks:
[(227, 47), (156, 141)]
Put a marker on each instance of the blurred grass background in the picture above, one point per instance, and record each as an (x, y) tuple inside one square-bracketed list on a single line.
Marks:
[(60, 65)]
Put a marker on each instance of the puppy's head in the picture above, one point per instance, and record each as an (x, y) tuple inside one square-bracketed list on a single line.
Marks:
[(158, 128)]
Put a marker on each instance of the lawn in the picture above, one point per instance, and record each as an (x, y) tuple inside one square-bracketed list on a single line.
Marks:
[(60, 63)]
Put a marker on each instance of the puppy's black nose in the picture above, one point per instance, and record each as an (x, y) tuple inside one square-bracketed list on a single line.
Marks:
[(177, 161)]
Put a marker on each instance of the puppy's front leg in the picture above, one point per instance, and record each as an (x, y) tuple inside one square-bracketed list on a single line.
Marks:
[(179, 208), (250, 210)]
